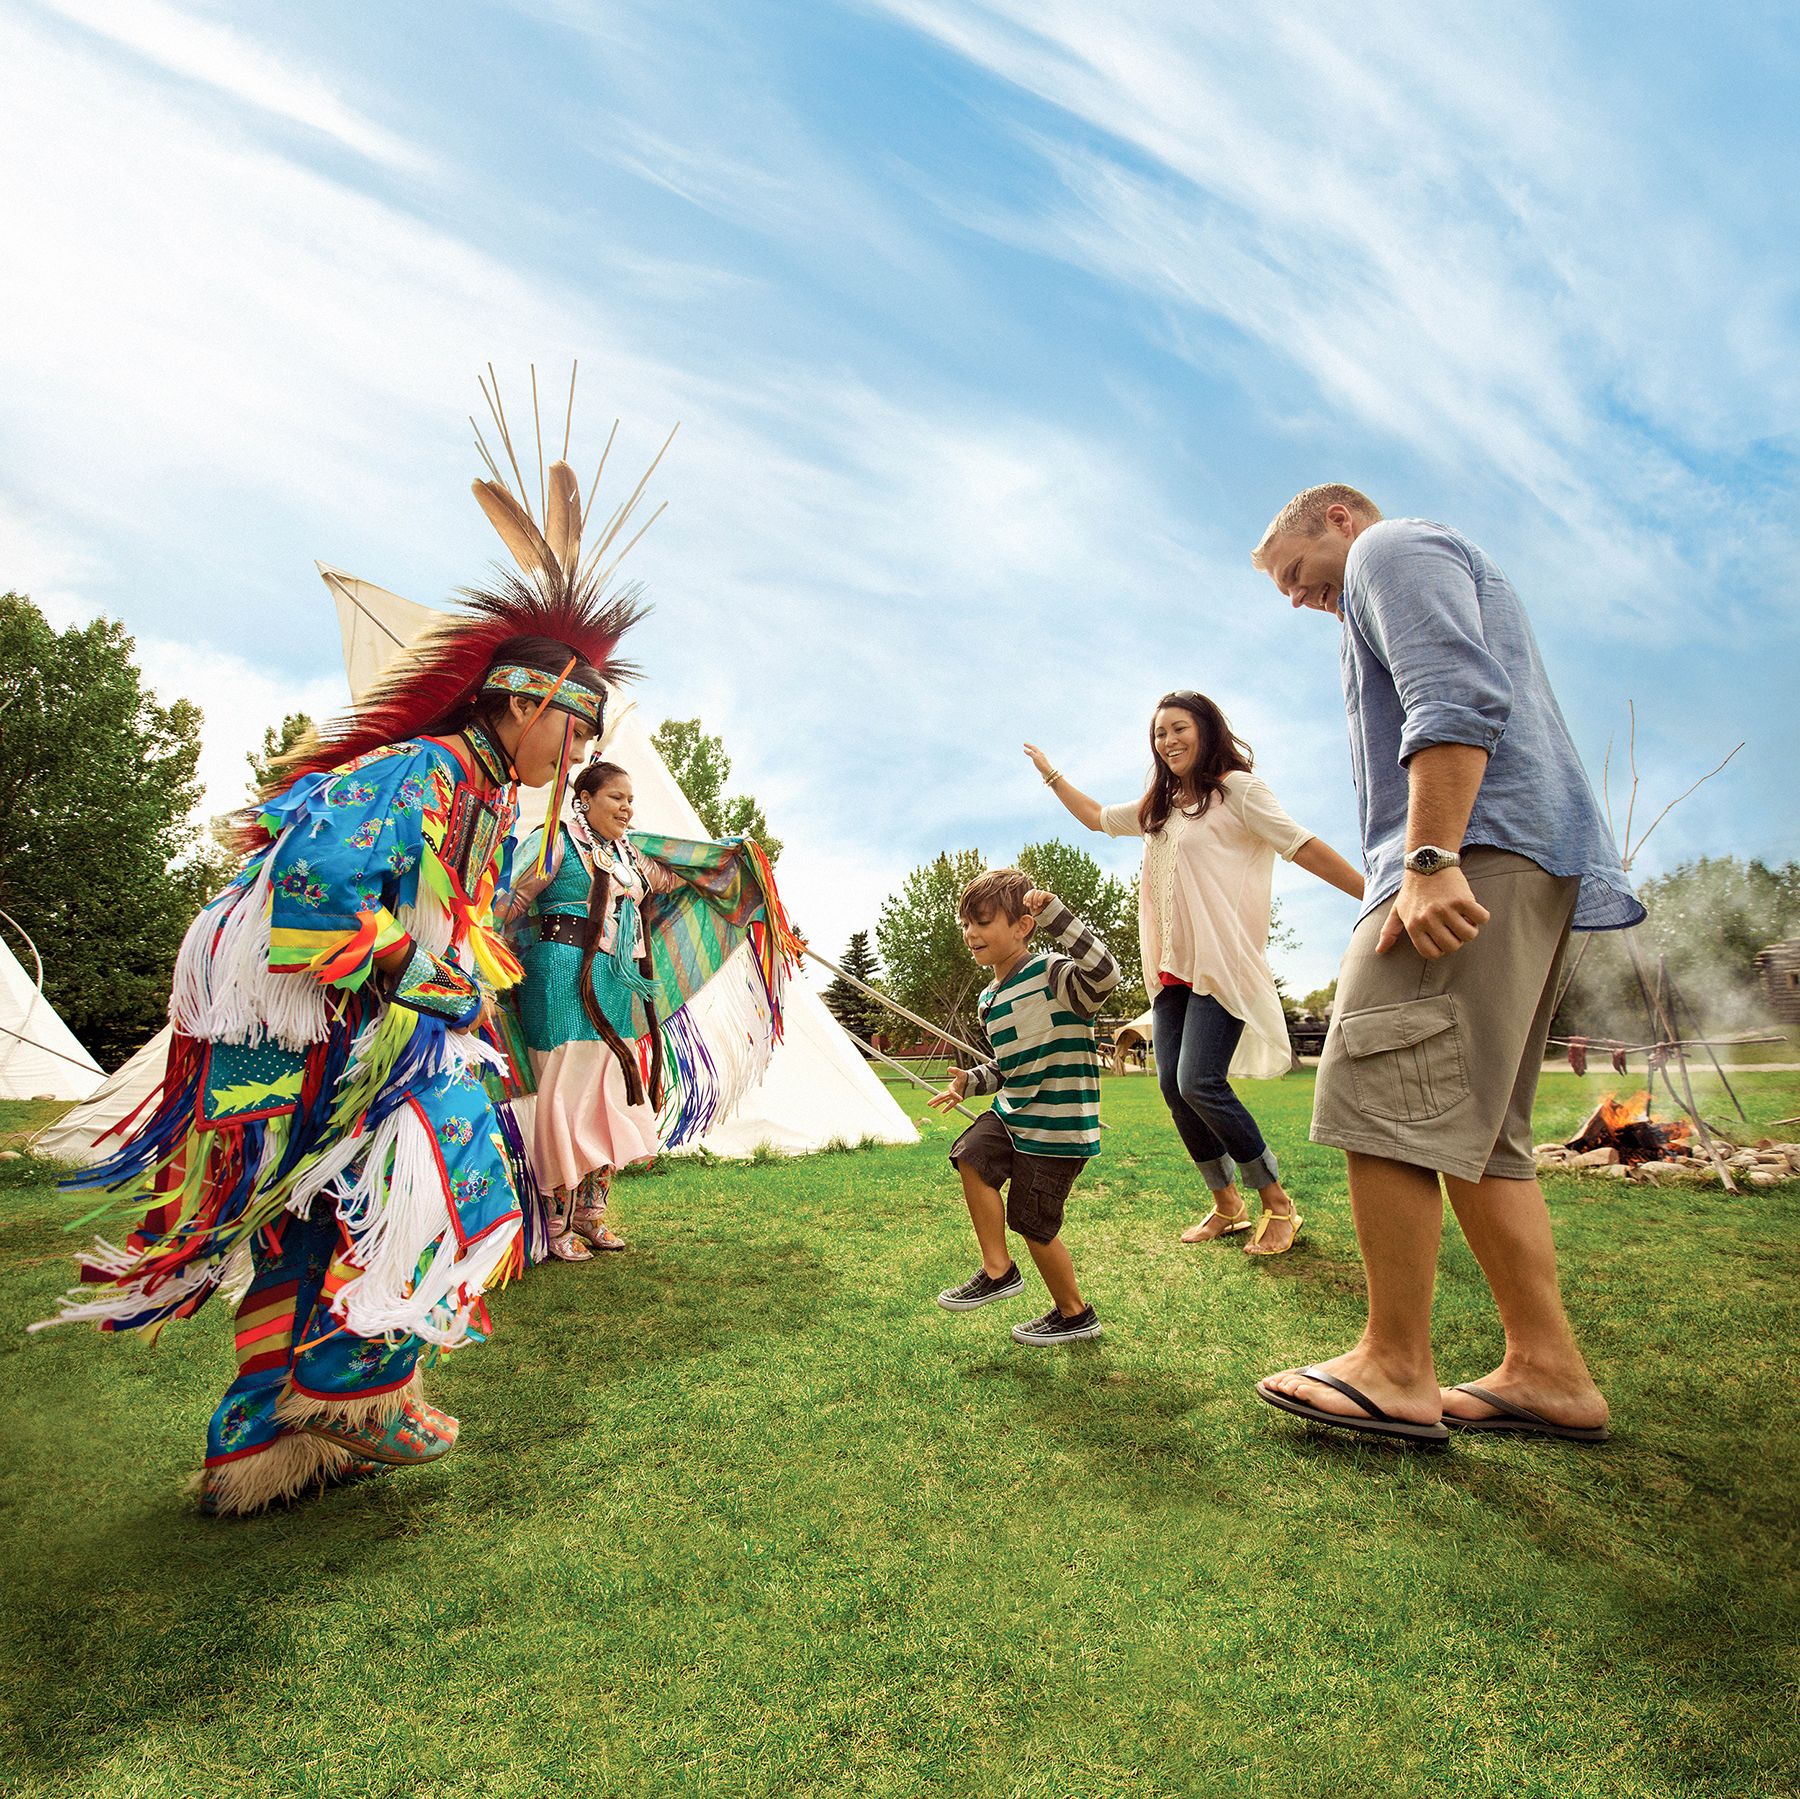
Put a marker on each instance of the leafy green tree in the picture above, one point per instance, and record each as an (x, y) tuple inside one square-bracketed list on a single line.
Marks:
[(1321, 999), (1709, 918), (929, 967), (1108, 904), (701, 768), (100, 859), (855, 1011), (276, 744)]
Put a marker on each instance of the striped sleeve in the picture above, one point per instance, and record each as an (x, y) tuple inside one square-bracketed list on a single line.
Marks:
[(1087, 971), (984, 1078)]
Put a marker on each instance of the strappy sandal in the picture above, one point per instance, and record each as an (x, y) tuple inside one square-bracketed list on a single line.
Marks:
[(1262, 1226), (1233, 1222)]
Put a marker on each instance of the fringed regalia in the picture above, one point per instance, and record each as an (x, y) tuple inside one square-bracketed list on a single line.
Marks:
[(324, 1142), (628, 1067)]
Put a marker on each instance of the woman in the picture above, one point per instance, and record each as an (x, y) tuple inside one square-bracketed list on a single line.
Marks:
[(324, 1140), (588, 981), (1211, 831)]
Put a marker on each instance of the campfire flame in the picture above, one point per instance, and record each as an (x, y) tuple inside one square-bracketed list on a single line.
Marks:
[(1626, 1125)]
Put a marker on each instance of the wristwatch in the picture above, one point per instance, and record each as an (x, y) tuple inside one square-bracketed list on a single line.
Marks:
[(1428, 859)]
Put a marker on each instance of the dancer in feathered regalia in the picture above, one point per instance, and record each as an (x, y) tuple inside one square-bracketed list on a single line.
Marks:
[(324, 1131)]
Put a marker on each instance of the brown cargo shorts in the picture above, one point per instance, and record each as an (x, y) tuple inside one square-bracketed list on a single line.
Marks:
[(1437, 1063)]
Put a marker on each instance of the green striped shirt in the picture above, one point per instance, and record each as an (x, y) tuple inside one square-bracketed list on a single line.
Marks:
[(1040, 1021)]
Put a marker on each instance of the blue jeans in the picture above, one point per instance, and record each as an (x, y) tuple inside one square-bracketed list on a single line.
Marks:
[(1194, 1036)]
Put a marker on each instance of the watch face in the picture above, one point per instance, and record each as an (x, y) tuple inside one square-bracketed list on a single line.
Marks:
[(1426, 861)]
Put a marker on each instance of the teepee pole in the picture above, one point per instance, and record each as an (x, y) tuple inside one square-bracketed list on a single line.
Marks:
[(893, 1005), (917, 1081)]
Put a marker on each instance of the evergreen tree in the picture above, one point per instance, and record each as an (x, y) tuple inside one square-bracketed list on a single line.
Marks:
[(99, 856), (855, 1011)]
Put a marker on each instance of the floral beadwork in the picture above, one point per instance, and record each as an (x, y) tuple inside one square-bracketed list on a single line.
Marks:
[(467, 1188), (370, 1356), (400, 860), (410, 795), (299, 883), (456, 1133), (365, 834), (234, 1424), (345, 792)]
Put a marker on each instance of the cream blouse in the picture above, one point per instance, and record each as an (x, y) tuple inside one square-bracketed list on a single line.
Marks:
[(1203, 909)]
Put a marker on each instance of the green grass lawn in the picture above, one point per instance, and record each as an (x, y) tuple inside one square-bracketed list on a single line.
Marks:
[(744, 1513)]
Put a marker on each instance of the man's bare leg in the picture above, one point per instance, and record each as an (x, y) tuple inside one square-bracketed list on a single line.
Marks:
[(987, 1212), (1399, 1212), (1057, 1267), (1508, 1227)]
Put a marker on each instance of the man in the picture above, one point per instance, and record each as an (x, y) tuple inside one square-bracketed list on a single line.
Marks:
[(1484, 847)]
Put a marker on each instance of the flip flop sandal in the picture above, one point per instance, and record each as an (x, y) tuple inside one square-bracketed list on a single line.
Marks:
[(1262, 1225), (1376, 1424), (1232, 1226), (1519, 1420)]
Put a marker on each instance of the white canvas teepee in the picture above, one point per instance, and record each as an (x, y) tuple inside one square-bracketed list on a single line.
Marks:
[(818, 1089), (40, 1057)]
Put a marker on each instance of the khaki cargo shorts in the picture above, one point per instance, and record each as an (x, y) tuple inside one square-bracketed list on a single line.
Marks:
[(1437, 1063)]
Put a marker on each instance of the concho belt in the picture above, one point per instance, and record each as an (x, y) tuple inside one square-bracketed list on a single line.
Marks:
[(562, 927)]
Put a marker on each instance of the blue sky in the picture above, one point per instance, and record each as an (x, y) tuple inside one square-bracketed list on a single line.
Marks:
[(997, 333)]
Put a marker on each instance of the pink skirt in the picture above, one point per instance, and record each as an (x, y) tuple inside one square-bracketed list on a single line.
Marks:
[(583, 1121)]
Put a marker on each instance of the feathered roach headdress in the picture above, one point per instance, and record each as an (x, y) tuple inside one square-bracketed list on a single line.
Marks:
[(558, 594)]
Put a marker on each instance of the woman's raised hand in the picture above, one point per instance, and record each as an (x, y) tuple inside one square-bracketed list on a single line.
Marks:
[(1040, 761)]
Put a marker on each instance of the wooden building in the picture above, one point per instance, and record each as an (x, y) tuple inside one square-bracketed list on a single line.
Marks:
[(1779, 966)]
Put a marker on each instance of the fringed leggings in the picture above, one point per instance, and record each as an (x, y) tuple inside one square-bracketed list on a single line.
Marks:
[(294, 1363)]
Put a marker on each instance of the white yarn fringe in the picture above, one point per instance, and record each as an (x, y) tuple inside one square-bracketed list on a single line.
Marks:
[(80, 1306), (224, 990), (732, 1013), (390, 1195)]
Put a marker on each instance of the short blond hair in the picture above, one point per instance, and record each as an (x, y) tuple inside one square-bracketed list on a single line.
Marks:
[(1305, 514), (1001, 890)]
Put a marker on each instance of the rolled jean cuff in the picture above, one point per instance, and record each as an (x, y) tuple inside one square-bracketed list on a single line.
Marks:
[(1259, 1171), (1219, 1173)]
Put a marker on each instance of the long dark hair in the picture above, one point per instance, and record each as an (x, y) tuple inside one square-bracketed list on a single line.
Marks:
[(1221, 752), (591, 780)]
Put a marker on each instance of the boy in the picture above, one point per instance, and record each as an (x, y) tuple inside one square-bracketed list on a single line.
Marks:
[(1038, 1012)]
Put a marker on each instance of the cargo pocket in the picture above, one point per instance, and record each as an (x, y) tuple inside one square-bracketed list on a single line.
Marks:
[(1406, 1061)]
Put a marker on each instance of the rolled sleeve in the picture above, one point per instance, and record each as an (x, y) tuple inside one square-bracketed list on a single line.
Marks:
[(1418, 609)]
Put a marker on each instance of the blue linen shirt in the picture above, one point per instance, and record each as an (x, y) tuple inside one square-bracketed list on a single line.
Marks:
[(1436, 648)]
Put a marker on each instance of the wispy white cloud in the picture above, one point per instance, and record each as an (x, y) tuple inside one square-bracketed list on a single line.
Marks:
[(217, 57), (1448, 250)]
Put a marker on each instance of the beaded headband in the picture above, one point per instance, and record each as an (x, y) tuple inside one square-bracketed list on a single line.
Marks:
[(540, 684)]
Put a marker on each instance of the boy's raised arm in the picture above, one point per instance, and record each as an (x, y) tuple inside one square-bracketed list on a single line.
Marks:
[(1087, 971)]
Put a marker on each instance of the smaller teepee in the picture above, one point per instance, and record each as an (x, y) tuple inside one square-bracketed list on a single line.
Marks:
[(40, 1057)]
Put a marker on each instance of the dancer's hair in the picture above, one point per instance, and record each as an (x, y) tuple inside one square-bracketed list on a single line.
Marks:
[(1305, 514), (1220, 752), (1000, 890), (591, 780)]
